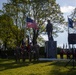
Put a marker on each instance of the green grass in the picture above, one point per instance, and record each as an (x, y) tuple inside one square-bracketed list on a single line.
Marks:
[(10, 67), (64, 56)]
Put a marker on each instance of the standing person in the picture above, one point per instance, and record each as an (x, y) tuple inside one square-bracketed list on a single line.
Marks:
[(49, 29), (17, 53), (23, 52), (61, 54), (30, 47), (68, 54), (75, 55), (36, 51)]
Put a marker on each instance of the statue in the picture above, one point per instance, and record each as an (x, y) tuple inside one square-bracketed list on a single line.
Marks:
[(49, 29), (50, 45)]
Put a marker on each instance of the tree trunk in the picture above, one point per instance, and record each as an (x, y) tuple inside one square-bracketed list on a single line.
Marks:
[(35, 36), (5, 44)]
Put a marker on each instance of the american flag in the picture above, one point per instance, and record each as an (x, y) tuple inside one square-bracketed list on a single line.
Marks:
[(31, 23)]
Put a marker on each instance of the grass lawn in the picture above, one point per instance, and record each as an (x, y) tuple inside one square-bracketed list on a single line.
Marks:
[(10, 67)]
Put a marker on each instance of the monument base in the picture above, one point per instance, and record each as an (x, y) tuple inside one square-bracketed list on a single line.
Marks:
[(51, 49)]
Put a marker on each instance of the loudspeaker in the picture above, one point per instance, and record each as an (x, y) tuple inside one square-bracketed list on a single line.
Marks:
[(72, 38)]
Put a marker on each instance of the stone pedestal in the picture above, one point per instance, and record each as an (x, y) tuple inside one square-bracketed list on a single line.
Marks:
[(51, 49)]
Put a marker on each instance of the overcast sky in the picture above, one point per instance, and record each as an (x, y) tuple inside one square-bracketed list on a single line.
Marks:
[(66, 7)]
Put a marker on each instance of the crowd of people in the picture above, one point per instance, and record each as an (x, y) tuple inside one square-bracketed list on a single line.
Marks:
[(31, 52), (69, 53)]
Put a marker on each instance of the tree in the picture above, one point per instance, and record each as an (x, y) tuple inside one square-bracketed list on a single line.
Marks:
[(39, 10), (73, 14), (8, 31)]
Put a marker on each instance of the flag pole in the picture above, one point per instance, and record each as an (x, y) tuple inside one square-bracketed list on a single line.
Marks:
[(68, 33), (68, 26)]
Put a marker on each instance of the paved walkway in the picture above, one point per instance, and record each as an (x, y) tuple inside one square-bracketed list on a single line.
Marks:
[(53, 59)]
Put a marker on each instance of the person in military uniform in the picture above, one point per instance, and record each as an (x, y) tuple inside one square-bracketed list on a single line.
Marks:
[(49, 29)]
